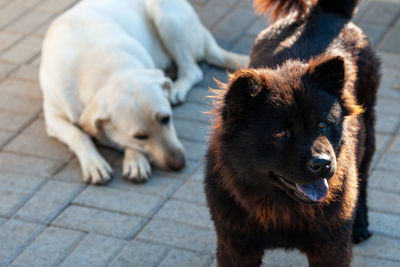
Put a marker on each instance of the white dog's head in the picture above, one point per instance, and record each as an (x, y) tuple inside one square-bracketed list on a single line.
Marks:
[(133, 111)]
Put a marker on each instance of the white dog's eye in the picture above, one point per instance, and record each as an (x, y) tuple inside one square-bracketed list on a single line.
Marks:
[(165, 120), (141, 136)]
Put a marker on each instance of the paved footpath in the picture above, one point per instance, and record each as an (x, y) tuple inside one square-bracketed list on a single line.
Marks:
[(48, 217)]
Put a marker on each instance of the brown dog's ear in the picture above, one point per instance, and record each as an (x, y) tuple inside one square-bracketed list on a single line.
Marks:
[(93, 116), (243, 85), (328, 72)]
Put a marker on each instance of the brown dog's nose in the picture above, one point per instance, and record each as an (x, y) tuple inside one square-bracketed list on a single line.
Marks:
[(176, 163), (320, 165)]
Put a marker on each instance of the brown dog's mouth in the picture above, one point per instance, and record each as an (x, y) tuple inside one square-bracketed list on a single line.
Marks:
[(312, 193)]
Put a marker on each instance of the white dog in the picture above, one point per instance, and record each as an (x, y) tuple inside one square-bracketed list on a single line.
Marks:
[(101, 76)]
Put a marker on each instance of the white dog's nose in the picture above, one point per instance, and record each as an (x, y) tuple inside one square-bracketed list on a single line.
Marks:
[(177, 162)]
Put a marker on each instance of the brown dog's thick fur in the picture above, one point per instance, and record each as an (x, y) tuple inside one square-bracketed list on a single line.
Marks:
[(310, 90)]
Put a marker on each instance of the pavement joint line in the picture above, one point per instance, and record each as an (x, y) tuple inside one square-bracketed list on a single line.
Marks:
[(163, 257), (387, 147), (63, 206), (388, 28), (383, 190), (23, 36), (227, 12), (27, 198), (376, 257), (173, 246), (71, 248), (34, 236), (375, 210), (162, 204), (20, 130)]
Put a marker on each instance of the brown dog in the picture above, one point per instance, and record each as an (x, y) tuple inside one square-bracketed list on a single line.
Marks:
[(288, 162)]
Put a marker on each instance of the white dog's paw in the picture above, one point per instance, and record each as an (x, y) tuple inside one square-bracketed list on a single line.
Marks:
[(136, 168), (177, 97), (96, 171)]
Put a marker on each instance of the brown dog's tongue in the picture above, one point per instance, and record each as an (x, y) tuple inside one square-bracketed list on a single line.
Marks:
[(316, 191)]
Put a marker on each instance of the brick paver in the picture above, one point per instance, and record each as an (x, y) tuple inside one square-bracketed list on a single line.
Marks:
[(49, 217)]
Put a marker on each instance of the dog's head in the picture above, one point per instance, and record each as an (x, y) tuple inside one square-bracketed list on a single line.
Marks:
[(283, 127), (133, 111)]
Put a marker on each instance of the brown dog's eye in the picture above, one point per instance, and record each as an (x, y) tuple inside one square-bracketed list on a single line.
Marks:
[(165, 120), (322, 125), (281, 134), (141, 136)]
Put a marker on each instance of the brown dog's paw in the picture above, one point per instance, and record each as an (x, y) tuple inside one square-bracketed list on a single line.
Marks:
[(360, 233)]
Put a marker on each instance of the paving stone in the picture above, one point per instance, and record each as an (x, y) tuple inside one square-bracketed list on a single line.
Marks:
[(391, 41), (191, 111), (362, 261), (243, 46), (55, 6), (13, 122), (142, 254), (6, 68), (39, 146), (187, 213), (363, 7), (49, 248), (70, 173), (14, 235), (390, 84), (179, 235), (23, 51), (94, 250), (27, 23), (210, 76), (7, 39), (389, 60), (390, 161), (10, 103), (30, 165), (27, 72), (280, 257), (379, 246), (395, 147), (233, 25), (387, 106), (385, 179), (157, 185), (191, 191), (185, 173), (182, 258), (382, 13), (21, 88), (194, 151), (374, 32), (386, 123), (15, 190), (99, 221), (5, 136), (382, 141), (199, 174), (259, 25), (118, 200), (384, 223), (53, 197), (200, 95), (212, 13), (383, 201), (192, 130)]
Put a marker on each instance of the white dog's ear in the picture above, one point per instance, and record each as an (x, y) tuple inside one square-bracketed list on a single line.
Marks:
[(94, 114), (167, 85)]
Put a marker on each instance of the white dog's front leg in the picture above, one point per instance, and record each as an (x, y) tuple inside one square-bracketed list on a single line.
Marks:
[(136, 167), (95, 169)]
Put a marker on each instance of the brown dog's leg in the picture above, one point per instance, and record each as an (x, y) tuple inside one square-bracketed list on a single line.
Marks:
[(239, 252), (332, 254)]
